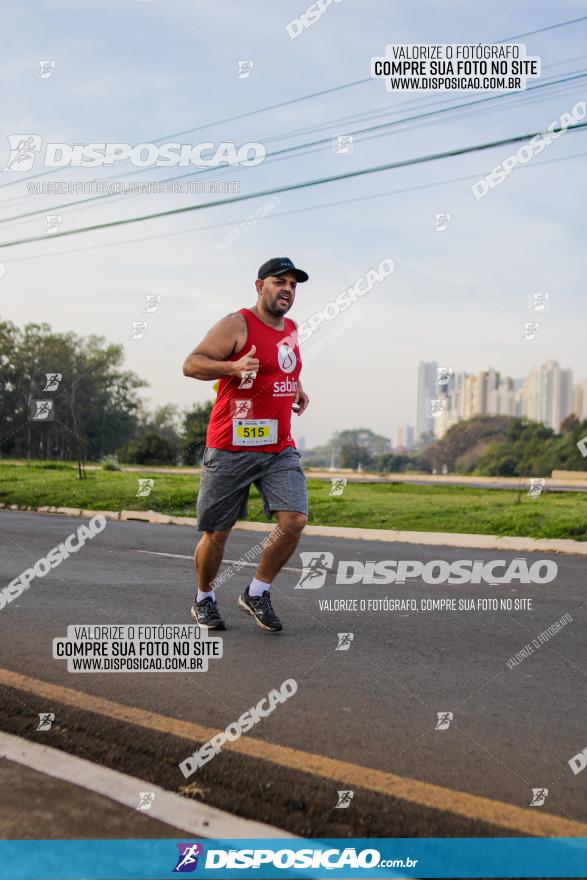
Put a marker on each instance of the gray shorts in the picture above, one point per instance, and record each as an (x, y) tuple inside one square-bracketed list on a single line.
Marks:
[(226, 478)]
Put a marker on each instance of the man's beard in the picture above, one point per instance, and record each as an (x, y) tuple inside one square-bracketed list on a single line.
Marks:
[(279, 309)]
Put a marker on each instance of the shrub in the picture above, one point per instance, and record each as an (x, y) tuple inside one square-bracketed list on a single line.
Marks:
[(149, 448)]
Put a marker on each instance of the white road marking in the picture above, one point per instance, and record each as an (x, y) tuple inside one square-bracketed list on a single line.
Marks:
[(180, 812), (224, 561), (156, 553)]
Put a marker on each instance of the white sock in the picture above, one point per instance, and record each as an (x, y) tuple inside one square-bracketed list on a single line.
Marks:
[(202, 595), (257, 587)]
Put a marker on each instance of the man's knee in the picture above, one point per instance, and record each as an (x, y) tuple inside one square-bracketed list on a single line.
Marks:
[(217, 539), (291, 521)]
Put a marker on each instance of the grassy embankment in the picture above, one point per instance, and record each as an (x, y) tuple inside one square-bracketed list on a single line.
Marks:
[(395, 506)]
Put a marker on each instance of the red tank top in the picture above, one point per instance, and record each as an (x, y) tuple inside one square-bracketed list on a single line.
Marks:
[(255, 415)]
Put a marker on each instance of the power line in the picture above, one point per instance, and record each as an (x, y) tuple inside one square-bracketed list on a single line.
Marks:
[(404, 163), (550, 27), (316, 143), (318, 207), (378, 113), (296, 100), (560, 85), (364, 116), (166, 137), (385, 110), (467, 115)]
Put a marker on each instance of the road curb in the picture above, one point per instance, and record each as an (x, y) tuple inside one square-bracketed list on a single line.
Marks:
[(191, 816), (444, 539)]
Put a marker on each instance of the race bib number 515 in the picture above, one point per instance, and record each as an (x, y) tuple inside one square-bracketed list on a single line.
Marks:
[(254, 432)]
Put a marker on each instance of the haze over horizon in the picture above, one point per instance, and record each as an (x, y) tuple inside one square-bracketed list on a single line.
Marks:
[(457, 296)]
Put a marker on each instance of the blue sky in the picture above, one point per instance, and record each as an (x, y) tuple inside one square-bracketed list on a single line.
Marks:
[(137, 71)]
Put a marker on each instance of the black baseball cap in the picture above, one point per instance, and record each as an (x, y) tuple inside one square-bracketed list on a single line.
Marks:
[(279, 266)]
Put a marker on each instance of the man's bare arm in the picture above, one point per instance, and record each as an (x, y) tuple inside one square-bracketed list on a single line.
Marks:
[(209, 360)]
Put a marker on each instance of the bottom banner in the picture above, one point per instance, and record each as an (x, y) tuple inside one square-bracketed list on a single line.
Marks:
[(293, 857)]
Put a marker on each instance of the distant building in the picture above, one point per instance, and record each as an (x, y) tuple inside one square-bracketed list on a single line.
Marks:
[(301, 444), (405, 437), (579, 400), (487, 385), (547, 394), (427, 391), (503, 400)]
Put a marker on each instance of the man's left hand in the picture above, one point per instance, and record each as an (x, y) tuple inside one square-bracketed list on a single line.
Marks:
[(301, 401)]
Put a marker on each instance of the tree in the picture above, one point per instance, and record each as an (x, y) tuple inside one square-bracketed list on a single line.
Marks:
[(522, 450), (462, 445), (352, 455), (395, 462), (165, 421), (571, 423), (506, 446), (149, 448), (11, 406), (93, 403), (193, 434)]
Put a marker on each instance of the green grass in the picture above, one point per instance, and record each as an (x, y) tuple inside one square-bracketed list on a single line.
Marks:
[(396, 506)]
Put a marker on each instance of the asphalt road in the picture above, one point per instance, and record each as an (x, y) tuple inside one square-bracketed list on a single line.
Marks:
[(373, 706)]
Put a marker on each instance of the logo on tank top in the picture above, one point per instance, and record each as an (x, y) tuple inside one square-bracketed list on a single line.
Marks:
[(286, 358), (247, 379), (241, 409)]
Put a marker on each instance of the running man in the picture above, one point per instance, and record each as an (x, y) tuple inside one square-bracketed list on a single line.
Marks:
[(255, 354)]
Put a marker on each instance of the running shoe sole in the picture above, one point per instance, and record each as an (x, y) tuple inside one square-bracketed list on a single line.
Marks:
[(244, 607)]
